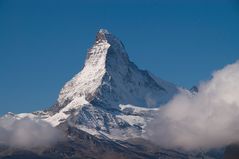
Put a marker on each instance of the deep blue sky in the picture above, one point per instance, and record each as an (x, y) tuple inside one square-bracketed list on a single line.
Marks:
[(43, 43)]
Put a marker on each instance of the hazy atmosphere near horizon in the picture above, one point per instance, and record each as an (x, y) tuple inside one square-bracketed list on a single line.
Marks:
[(44, 43)]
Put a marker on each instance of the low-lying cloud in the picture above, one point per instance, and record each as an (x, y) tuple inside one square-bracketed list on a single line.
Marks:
[(208, 119), (28, 133)]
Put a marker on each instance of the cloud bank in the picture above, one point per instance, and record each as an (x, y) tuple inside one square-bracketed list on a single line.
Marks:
[(208, 119), (27, 133)]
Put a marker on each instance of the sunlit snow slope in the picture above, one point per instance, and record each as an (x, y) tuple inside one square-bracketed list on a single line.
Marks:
[(110, 96)]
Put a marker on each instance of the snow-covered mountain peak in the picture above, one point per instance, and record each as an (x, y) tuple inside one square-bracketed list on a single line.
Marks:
[(104, 34), (109, 96), (101, 36), (109, 101), (109, 79), (105, 44)]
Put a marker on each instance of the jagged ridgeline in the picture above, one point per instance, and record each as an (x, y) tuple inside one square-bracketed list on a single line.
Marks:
[(110, 94), (103, 110), (109, 79)]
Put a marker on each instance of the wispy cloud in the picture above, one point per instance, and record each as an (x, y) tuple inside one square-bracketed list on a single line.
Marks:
[(206, 120), (27, 133)]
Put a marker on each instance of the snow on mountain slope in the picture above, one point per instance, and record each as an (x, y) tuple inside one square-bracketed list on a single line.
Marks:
[(109, 78), (110, 96), (111, 99)]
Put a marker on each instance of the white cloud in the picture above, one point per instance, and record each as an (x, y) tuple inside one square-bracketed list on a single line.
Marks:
[(206, 120), (27, 133)]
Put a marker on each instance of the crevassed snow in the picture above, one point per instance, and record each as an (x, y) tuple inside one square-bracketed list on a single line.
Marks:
[(133, 120), (137, 115)]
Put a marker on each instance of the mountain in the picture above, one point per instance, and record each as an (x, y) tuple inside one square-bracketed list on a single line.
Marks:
[(109, 79), (103, 110), (110, 96)]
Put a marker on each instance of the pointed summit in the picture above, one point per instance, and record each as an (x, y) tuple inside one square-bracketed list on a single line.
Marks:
[(106, 95), (101, 35), (109, 78), (104, 31), (105, 45)]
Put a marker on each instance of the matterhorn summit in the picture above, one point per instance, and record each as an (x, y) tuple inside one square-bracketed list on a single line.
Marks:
[(106, 106), (109, 79), (110, 96)]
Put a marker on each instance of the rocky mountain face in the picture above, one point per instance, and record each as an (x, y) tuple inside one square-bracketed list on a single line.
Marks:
[(109, 78), (110, 96), (103, 110)]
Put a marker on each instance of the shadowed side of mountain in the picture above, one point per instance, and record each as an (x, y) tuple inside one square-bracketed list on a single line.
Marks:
[(108, 102), (109, 78)]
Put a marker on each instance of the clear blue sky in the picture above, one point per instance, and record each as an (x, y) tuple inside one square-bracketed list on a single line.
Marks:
[(43, 43)]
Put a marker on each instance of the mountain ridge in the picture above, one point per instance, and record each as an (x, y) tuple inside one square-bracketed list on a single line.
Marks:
[(110, 97), (107, 69), (110, 101)]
